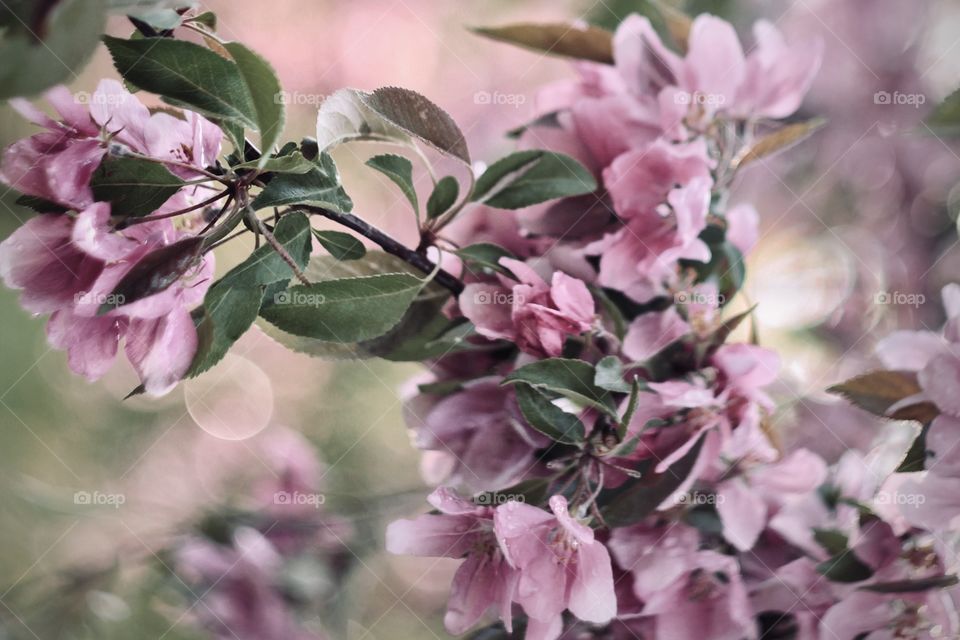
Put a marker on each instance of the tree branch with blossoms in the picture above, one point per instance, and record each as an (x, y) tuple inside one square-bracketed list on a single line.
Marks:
[(601, 440)]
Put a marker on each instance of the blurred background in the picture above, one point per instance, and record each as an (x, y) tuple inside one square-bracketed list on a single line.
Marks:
[(858, 236)]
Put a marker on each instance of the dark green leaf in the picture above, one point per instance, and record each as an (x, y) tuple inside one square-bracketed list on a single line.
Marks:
[(547, 418), (134, 187), (320, 186), (443, 197), (609, 375), (845, 567), (574, 379), (207, 19), (345, 310), (834, 542), (416, 115), (40, 205), (912, 586), (34, 57), (636, 499), (945, 119), (265, 90), (289, 163), (485, 254), (526, 178), (877, 391), (561, 39), (155, 272), (340, 245), (186, 75), (400, 172)]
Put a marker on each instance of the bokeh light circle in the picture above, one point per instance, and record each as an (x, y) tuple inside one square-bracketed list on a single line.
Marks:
[(232, 401)]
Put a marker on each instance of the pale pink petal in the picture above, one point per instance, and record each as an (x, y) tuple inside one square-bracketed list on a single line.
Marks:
[(91, 343), (940, 380), (641, 57), (162, 349), (909, 350), (592, 596), (92, 234), (715, 65), (432, 536), (742, 512), (743, 224), (488, 307), (651, 333), (572, 297)]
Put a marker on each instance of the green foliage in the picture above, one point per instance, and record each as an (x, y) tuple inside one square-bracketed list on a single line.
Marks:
[(38, 51), (547, 418), (340, 245), (443, 197), (265, 90), (320, 186), (526, 178), (573, 379), (233, 302), (400, 172), (134, 187)]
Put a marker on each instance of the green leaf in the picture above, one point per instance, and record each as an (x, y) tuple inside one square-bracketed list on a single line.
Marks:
[(572, 379), (636, 499), (845, 567), (186, 75), (68, 35), (345, 310), (155, 272), (561, 39), (547, 418), (422, 333), (340, 245), (207, 19), (232, 303), (609, 375), (485, 254), (40, 205), (400, 172), (265, 91), (833, 541), (289, 163), (526, 178), (417, 116), (134, 187), (912, 586), (443, 197), (320, 186), (945, 119), (388, 113), (877, 391)]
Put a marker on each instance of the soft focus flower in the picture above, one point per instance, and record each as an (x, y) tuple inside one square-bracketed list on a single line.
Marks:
[(68, 265), (461, 530), (561, 565), (536, 315)]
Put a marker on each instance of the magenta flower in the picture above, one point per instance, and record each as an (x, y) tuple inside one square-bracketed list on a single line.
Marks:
[(561, 565), (689, 594), (461, 530), (68, 266), (536, 315), (478, 433)]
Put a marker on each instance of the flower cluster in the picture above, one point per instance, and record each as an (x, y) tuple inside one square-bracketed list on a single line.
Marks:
[(69, 265), (619, 442)]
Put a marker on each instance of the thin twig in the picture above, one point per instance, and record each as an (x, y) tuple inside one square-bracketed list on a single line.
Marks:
[(281, 250)]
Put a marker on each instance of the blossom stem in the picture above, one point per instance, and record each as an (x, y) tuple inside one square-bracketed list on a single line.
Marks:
[(414, 258), (200, 205), (279, 248)]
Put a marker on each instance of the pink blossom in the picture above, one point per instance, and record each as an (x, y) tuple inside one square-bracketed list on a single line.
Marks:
[(561, 565), (479, 432), (536, 315), (461, 530), (690, 594)]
